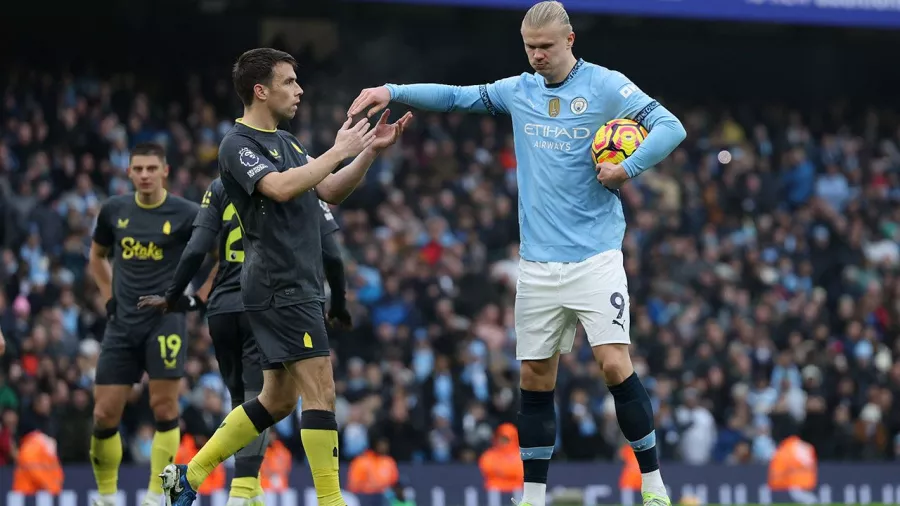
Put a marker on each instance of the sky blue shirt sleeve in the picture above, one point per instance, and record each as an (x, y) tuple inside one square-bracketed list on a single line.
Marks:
[(493, 98), (665, 131)]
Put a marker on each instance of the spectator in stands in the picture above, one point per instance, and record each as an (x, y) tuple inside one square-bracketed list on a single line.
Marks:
[(9, 445)]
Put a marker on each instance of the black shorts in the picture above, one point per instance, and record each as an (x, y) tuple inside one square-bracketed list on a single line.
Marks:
[(290, 333), (240, 362), (127, 352)]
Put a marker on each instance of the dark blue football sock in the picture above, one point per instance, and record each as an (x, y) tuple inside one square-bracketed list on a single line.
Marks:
[(635, 415), (537, 434)]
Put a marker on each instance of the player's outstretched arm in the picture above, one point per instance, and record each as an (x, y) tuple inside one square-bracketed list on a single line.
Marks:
[(350, 141), (338, 186), (486, 98)]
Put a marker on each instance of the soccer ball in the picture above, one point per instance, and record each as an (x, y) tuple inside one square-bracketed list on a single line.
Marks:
[(617, 140)]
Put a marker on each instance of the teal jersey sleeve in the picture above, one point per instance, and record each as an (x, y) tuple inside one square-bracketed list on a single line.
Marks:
[(665, 131), (493, 98)]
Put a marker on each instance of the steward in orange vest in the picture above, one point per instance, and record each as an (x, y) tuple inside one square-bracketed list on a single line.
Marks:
[(276, 467), (373, 471), (501, 465), (794, 466), (37, 468)]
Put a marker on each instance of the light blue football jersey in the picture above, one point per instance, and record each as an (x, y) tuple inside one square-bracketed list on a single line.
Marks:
[(565, 214)]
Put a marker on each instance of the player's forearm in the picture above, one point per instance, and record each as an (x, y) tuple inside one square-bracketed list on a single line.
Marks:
[(204, 290), (101, 270), (665, 134), (202, 240), (438, 97), (289, 184), (338, 186), (334, 268)]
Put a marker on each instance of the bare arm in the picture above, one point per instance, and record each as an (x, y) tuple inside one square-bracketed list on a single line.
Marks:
[(99, 266), (338, 186)]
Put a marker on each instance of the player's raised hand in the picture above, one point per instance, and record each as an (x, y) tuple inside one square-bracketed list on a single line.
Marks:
[(611, 175), (387, 134), (374, 98), (351, 139)]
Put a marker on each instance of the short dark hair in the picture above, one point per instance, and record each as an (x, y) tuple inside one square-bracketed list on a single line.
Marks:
[(256, 67), (149, 148)]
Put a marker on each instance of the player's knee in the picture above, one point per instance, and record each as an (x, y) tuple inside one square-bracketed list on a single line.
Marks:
[(283, 407), (615, 362), (164, 408), (105, 416), (537, 375), (280, 403)]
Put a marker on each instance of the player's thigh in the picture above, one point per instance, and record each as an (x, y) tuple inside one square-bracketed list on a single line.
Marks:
[(596, 290), (543, 326), (121, 357), (165, 349), (225, 330)]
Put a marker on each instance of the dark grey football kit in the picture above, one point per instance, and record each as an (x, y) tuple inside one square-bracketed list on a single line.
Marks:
[(146, 243), (217, 226), (282, 275)]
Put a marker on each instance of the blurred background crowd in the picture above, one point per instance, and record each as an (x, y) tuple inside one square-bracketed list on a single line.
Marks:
[(762, 258)]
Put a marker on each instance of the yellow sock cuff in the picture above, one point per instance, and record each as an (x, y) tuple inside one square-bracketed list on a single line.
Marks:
[(245, 488), (162, 453), (106, 456)]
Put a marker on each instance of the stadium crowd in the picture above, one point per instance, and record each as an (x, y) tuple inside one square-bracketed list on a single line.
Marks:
[(762, 257)]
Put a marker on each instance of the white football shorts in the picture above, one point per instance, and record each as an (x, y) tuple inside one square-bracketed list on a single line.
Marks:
[(552, 297)]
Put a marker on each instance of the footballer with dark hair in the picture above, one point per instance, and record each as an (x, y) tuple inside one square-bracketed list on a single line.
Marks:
[(137, 242), (275, 186)]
